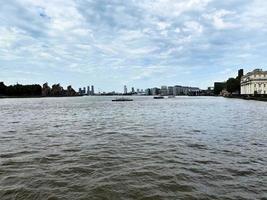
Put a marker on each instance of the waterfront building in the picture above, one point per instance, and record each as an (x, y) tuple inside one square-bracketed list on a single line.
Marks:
[(210, 88), (185, 90), (70, 91), (46, 90), (133, 90), (219, 87), (155, 91), (177, 90), (170, 90), (208, 92), (193, 91), (173, 90), (254, 82), (225, 93), (148, 91), (57, 90), (164, 90)]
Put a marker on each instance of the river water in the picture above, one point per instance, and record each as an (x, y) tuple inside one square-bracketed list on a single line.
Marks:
[(92, 148)]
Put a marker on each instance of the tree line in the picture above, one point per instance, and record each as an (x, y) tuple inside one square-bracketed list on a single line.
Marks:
[(232, 85), (36, 90), (20, 90)]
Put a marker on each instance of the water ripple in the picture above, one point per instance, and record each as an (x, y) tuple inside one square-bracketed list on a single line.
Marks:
[(91, 148)]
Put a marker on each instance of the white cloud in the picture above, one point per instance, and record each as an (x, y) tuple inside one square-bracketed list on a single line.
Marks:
[(105, 39), (163, 25), (172, 8), (147, 72), (218, 20), (9, 36), (193, 27), (255, 17)]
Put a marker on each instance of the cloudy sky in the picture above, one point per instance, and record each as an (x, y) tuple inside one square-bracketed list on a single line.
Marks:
[(141, 43)]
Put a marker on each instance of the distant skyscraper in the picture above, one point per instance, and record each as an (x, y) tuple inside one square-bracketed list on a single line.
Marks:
[(132, 89), (240, 73), (125, 89), (88, 90), (84, 90), (92, 90)]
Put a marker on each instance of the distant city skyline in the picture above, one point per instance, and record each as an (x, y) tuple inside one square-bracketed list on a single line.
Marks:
[(141, 44)]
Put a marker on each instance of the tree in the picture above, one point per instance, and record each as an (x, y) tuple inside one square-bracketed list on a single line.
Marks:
[(2, 88), (23, 90), (218, 87), (232, 85)]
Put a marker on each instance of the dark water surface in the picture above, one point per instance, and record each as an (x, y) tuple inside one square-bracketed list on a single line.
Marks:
[(92, 148)]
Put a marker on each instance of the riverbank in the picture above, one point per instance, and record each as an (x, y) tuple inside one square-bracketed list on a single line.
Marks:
[(255, 98), (24, 97)]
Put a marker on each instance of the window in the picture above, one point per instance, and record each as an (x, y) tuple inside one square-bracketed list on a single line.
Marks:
[(264, 85)]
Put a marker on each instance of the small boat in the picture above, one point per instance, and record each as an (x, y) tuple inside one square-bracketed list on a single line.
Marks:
[(122, 99), (158, 97)]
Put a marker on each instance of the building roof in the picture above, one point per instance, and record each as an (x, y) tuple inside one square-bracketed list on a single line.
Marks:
[(256, 71)]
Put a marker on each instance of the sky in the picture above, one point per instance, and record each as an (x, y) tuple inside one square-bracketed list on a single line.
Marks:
[(138, 43)]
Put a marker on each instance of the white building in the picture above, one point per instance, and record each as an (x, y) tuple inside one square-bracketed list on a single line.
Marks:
[(177, 90), (164, 90), (170, 90), (254, 82)]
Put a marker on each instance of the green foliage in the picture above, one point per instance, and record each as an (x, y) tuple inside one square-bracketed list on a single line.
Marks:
[(218, 87), (20, 90), (2, 88), (233, 85)]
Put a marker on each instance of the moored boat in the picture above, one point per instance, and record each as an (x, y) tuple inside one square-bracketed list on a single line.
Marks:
[(158, 97), (122, 99)]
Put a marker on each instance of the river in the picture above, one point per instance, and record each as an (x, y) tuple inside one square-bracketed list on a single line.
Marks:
[(93, 148)]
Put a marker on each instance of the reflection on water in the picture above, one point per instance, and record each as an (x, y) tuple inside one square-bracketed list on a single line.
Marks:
[(92, 148)]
